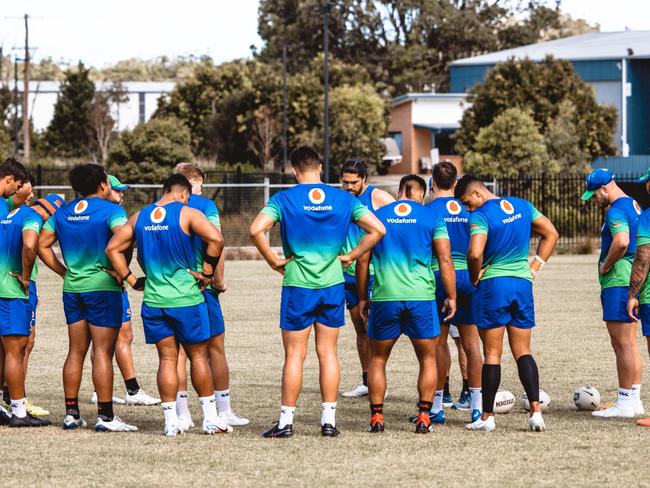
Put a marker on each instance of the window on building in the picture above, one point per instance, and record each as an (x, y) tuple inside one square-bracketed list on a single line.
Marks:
[(444, 142), (397, 137)]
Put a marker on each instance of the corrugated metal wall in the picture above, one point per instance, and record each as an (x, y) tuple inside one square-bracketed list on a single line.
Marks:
[(638, 106)]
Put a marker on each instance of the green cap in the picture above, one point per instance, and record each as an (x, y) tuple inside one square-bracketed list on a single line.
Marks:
[(645, 177), (117, 184)]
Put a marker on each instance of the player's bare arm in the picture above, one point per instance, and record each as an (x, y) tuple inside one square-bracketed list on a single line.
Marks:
[(362, 274), (117, 248), (640, 269), (47, 254), (30, 249), (616, 251), (260, 226), (442, 248), (198, 224), (545, 229), (381, 198), (374, 231), (475, 257)]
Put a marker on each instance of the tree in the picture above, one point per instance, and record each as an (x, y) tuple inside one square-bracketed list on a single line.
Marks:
[(102, 124), (67, 134), (265, 137), (563, 142), (540, 88), (6, 145), (510, 146), (149, 152)]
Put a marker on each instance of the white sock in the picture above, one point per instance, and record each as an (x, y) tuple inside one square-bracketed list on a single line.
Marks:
[(18, 408), (477, 398), (624, 397), (636, 392), (328, 416), (437, 401), (209, 407), (182, 409), (286, 416), (223, 401), (169, 411)]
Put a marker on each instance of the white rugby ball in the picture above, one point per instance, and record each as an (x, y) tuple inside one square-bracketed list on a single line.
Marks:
[(586, 398), (503, 401), (544, 401)]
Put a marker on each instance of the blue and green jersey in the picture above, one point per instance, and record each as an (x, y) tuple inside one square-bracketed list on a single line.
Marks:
[(456, 219), (314, 221), (622, 216), (355, 233), (507, 224)]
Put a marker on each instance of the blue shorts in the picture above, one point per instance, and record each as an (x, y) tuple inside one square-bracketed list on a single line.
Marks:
[(190, 325), (614, 302), (99, 308), (351, 293), (464, 296), (15, 317), (33, 303), (126, 307), (644, 312), (416, 319), (217, 326), (504, 300), (302, 307)]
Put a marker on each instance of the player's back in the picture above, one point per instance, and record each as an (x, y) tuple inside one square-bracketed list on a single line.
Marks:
[(623, 214), (402, 259), (166, 252), (314, 221), (12, 226), (507, 223), (456, 219), (83, 228)]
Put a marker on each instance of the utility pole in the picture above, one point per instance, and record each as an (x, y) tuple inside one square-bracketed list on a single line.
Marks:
[(26, 131), (325, 8), (16, 139), (284, 108)]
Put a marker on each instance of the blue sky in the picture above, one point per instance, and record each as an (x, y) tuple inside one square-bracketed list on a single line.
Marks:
[(70, 30)]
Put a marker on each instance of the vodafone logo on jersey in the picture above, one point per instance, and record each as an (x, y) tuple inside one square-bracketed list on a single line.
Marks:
[(158, 215), (637, 209), (316, 196), (453, 207), (12, 213), (80, 207), (403, 209), (507, 207)]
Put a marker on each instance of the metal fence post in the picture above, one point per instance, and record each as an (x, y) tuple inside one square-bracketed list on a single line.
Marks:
[(267, 196)]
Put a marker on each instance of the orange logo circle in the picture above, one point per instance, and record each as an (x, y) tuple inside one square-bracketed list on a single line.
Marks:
[(637, 208), (81, 206), (507, 207), (453, 208), (316, 195), (158, 215), (403, 209)]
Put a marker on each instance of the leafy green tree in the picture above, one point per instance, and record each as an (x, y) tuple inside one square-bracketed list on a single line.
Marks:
[(149, 152), (6, 144), (68, 134), (563, 142), (510, 146), (540, 88)]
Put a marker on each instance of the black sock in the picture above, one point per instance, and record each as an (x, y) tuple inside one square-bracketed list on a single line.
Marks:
[(364, 378), (376, 408), (132, 386), (5, 394), (72, 407), (490, 380), (105, 411), (424, 406), (529, 376), (465, 384), (446, 387)]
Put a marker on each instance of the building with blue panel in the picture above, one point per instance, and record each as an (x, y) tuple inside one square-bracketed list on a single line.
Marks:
[(616, 64)]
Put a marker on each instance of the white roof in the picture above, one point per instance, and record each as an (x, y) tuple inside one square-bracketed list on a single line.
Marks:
[(129, 86), (593, 46)]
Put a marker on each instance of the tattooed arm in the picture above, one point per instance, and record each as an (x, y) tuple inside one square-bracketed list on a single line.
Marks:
[(639, 274)]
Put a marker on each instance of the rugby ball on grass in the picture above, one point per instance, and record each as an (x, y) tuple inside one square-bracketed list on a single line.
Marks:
[(544, 401), (503, 401), (586, 398)]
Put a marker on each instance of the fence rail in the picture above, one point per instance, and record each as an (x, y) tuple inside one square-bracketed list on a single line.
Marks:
[(557, 197)]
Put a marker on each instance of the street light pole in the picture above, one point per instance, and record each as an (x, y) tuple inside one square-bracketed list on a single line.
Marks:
[(325, 12), (284, 109), (26, 132)]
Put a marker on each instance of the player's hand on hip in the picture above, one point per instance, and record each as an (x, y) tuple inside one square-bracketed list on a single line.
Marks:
[(346, 260), (633, 308), (114, 274), (602, 270), (24, 283), (449, 308), (219, 286), (364, 309), (279, 264), (203, 280)]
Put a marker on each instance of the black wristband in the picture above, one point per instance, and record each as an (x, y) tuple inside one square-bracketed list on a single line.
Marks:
[(139, 284), (211, 260), (206, 275), (127, 275)]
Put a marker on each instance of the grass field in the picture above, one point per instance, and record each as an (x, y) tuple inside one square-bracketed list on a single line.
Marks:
[(570, 344)]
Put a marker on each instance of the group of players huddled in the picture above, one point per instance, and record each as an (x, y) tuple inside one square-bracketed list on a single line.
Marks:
[(459, 263)]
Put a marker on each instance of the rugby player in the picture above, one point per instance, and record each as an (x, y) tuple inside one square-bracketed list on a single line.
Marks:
[(456, 218), (638, 303), (12, 177), (403, 295), (173, 308), (217, 353), (314, 221), (134, 395), (354, 175), (24, 196), (19, 233), (92, 298), (500, 230), (614, 269)]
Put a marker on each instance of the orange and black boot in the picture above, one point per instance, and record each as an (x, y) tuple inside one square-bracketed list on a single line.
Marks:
[(423, 421), (377, 418)]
